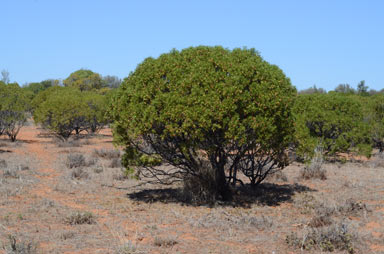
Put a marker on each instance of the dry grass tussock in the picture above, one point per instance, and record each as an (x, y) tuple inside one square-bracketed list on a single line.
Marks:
[(315, 169), (106, 153), (78, 218)]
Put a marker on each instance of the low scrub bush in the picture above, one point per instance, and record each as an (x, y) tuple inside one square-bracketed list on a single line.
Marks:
[(115, 163), (68, 143), (353, 207), (320, 220), (129, 248), (331, 238), (3, 164), (75, 160), (79, 173), (78, 160), (225, 221), (277, 176), (79, 218), (106, 153), (314, 169), (168, 241), (19, 247), (11, 173)]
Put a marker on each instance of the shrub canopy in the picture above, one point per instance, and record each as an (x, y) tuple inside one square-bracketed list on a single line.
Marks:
[(206, 107)]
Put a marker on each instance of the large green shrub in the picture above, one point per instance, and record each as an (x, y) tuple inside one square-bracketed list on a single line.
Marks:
[(206, 109), (64, 110), (331, 121), (14, 105)]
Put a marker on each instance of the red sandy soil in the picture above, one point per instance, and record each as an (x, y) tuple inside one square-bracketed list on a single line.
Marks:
[(46, 195)]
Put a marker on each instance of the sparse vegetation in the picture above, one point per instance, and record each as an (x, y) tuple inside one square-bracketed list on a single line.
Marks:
[(315, 169), (115, 163), (79, 173), (129, 248), (107, 153), (168, 241), (3, 164), (331, 238), (19, 247), (75, 160)]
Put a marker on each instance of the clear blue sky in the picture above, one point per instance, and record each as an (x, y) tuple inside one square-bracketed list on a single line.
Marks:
[(323, 42)]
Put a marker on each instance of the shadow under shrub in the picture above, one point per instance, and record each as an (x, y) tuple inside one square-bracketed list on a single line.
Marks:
[(268, 194)]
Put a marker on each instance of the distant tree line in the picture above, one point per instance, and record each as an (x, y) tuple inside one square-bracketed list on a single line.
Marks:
[(362, 89), (73, 106), (342, 120)]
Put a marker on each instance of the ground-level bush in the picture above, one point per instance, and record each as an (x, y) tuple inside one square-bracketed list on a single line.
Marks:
[(331, 238), (205, 107)]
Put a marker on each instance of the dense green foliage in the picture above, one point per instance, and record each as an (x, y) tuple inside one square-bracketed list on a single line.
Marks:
[(333, 121), (37, 87), (65, 110), (84, 80), (14, 105), (206, 107)]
